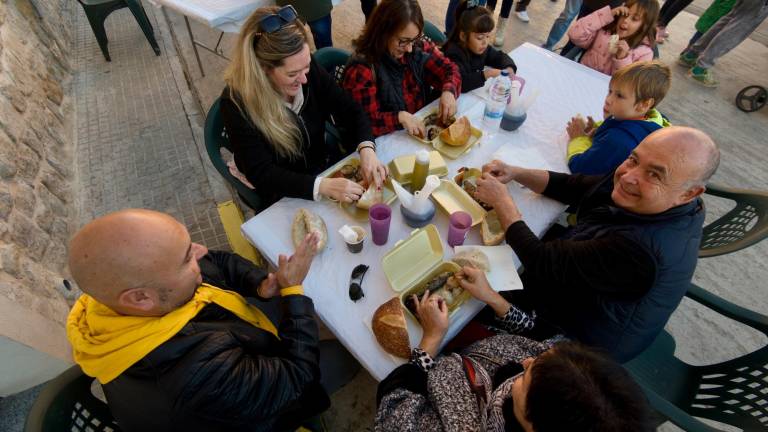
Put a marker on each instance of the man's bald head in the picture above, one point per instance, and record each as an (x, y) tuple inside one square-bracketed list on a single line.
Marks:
[(128, 250), (670, 167)]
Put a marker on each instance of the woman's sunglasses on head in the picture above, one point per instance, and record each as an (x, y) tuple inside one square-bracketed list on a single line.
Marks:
[(274, 22)]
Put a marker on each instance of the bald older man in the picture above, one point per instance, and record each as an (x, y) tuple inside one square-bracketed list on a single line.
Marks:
[(165, 328), (613, 279)]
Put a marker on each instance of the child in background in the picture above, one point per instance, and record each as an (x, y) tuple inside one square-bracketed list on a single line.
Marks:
[(630, 116), (469, 47), (614, 38)]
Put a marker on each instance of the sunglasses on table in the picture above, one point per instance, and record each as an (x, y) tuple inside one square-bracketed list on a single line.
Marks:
[(274, 22), (403, 42), (356, 281)]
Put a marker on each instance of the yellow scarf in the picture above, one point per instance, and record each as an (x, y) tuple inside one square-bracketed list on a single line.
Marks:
[(105, 343)]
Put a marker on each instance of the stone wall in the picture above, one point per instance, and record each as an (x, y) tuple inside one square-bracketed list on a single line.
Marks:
[(36, 167)]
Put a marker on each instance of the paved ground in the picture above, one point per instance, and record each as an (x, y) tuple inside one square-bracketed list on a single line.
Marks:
[(140, 145)]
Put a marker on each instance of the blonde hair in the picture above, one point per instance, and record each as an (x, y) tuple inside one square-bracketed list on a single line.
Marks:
[(648, 80), (252, 90)]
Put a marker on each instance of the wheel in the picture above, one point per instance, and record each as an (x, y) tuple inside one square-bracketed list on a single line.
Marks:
[(751, 98)]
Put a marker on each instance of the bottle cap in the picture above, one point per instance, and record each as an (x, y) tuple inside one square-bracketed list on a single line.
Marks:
[(422, 156)]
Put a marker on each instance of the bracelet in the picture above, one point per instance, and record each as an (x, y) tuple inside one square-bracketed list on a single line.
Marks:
[(370, 146)]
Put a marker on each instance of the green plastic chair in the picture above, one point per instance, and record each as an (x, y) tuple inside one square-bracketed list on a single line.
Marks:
[(216, 138), (66, 404), (333, 60), (433, 33), (98, 10), (734, 392), (743, 226)]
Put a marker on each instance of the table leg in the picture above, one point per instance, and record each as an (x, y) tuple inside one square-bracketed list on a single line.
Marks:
[(194, 46)]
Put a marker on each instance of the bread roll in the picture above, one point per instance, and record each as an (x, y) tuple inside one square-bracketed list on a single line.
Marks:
[(474, 258), (491, 230), (390, 329), (458, 133), (306, 222)]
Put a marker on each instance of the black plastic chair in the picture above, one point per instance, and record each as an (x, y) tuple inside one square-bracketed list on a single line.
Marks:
[(66, 404), (734, 392), (743, 226), (333, 60), (216, 138), (433, 33), (98, 10)]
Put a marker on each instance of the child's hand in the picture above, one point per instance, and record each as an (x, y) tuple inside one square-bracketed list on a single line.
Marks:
[(491, 73), (589, 130), (622, 49), (620, 11), (576, 127)]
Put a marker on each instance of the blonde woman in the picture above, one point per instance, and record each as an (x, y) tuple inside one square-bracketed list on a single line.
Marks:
[(275, 107)]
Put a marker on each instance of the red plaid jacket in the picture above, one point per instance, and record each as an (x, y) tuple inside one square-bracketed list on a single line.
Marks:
[(359, 81)]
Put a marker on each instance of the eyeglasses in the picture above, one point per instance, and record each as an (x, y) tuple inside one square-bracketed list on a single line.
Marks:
[(403, 42), (274, 22), (355, 282)]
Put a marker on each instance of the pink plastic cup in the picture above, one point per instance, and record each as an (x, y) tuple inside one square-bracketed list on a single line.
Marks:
[(380, 215), (459, 224)]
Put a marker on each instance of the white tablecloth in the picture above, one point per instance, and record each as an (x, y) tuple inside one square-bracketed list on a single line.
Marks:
[(567, 88), (223, 15)]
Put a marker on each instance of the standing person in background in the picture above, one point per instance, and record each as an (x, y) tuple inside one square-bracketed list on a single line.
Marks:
[(715, 11), (668, 12), (316, 13), (394, 72), (367, 7), (562, 22), (727, 33)]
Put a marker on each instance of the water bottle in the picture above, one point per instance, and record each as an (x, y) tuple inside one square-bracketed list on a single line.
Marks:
[(494, 107)]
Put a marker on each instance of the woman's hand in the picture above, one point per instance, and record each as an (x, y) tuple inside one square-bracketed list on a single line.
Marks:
[(503, 172), (341, 189), (476, 284), (622, 49), (433, 316), (619, 11), (373, 170), (412, 124), (447, 108), (576, 127)]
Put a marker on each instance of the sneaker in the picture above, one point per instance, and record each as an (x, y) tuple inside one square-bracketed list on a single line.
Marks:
[(703, 76), (522, 16), (687, 59)]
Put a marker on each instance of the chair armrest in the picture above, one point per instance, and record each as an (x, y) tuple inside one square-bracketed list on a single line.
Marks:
[(677, 416), (718, 304)]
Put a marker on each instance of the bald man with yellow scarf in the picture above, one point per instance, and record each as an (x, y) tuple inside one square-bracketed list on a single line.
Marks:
[(164, 326)]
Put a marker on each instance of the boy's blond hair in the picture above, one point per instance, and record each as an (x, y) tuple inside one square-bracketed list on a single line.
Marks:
[(648, 79)]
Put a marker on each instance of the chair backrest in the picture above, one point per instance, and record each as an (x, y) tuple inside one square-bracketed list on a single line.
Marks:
[(216, 138), (333, 60), (734, 392), (66, 404), (433, 33), (743, 226)]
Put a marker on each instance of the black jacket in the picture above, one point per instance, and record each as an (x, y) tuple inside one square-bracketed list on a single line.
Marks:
[(471, 65), (274, 176), (220, 373), (615, 278)]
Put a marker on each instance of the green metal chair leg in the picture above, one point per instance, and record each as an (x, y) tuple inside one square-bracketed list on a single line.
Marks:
[(141, 17)]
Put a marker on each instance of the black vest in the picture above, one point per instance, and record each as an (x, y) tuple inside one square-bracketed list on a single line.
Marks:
[(626, 327)]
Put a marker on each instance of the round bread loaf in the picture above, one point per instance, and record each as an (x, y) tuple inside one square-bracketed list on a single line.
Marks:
[(491, 230), (390, 329)]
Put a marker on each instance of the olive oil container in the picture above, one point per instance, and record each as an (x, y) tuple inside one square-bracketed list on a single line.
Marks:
[(415, 261)]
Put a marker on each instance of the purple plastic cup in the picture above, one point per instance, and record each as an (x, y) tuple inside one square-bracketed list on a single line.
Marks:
[(380, 215), (458, 226)]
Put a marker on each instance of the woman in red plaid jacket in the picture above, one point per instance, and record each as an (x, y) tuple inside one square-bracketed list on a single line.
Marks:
[(394, 72)]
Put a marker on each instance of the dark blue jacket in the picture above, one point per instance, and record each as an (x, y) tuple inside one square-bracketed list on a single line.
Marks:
[(612, 143), (616, 277)]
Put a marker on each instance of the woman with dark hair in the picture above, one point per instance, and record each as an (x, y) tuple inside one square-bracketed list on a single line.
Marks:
[(394, 72), (275, 107), (506, 383)]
